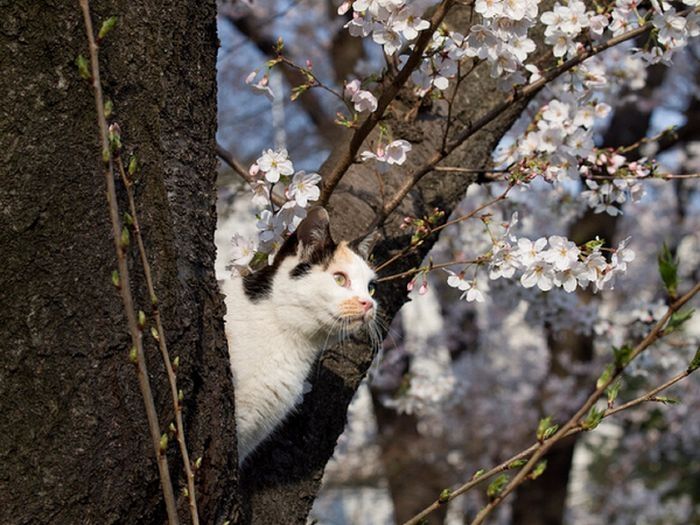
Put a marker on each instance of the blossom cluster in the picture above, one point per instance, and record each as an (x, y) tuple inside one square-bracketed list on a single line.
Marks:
[(502, 37), (604, 195), (272, 168), (546, 263), (390, 23), (440, 62)]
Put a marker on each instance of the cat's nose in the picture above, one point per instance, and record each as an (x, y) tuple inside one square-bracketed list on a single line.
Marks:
[(367, 304)]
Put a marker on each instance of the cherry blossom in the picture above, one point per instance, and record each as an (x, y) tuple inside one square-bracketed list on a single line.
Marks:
[(275, 164), (242, 251), (304, 188), (362, 100), (261, 85), (392, 153)]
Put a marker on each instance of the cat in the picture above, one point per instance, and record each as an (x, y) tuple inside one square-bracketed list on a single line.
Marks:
[(280, 318)]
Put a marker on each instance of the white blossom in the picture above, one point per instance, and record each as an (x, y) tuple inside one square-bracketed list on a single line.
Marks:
[(304, 188), (275, 164)]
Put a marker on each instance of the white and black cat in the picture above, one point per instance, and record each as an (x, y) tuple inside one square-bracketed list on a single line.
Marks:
[(281, 317)]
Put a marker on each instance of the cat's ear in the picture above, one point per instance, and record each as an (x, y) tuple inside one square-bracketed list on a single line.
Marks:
[(365, 245), (314, 234)]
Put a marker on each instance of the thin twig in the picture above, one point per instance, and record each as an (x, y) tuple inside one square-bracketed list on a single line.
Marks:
[(428, 268), (657, 176), (655, 334), (456, 220), (507, 464), (172, 379), (124, 283), (310, 74), (457, 169)]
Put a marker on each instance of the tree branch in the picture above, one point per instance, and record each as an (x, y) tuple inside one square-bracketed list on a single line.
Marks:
[(508, 464), (124, 282), (162, 345), (655, 334)]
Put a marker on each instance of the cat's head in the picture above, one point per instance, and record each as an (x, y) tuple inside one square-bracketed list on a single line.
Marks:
[(320, 286)]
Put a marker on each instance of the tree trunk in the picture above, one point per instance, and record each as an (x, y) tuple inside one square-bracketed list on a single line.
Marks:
[(75, 447)]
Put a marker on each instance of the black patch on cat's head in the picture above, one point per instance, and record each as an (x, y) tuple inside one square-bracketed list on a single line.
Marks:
[(314, 242), (258, 285), (300, 270)]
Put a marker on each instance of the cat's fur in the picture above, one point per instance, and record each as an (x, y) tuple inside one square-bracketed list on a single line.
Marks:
[(280, 318)]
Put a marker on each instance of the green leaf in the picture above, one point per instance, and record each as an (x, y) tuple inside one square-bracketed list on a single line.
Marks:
[(613, 390), (444, 496), (517, 463), (594, 244), (622, 355), (593, 418), (114, 136), (115, 278), (668, 269), (83, 67), (497, 486), (109, 108), (666, 400), (298, 91), (163, 445), (605, 376), (133, 357), (538, 470), (141, 319), (677, 319), (133, 164), (695, 363), (478, 473), (546, 429), (154, 333), (258, 259), (107, 26), (125, 237)]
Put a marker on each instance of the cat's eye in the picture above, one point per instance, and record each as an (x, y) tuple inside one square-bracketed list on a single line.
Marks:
[(371, 288), (340, 279)]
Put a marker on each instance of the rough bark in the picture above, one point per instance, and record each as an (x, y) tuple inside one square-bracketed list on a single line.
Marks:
[(75, 446)]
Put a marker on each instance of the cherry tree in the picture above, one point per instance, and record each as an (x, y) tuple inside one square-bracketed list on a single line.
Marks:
[(505, 157)]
